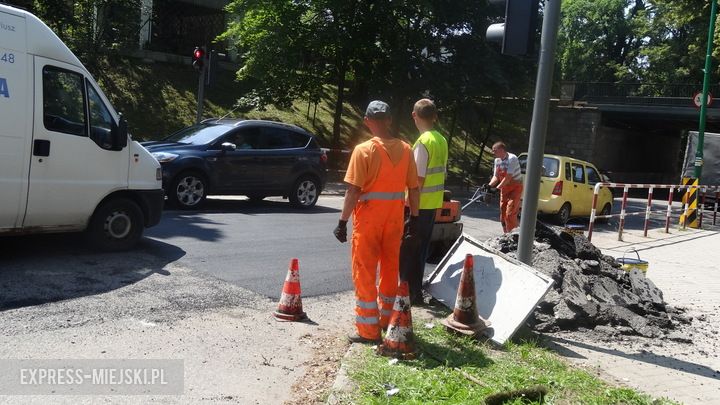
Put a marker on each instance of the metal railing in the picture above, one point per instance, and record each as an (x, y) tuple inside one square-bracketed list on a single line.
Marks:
[(648, 209), (633, 93)]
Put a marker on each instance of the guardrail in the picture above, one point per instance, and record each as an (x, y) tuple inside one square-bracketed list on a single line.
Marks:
[(648, 210)]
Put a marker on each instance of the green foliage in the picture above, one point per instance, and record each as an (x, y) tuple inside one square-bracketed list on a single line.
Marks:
[(90, 28), (395, 50), (599, 39), (641, 41), (436, 376)]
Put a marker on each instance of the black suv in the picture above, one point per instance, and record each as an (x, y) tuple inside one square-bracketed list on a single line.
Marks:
[(240, 157)]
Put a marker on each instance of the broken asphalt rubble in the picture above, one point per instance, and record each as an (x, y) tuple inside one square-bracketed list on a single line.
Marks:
[(591, 290)]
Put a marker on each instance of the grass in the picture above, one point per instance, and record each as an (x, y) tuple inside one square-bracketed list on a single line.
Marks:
[(434, 377)]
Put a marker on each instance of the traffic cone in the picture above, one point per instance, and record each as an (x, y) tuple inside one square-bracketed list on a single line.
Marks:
[(400, 340), (290, 306), (465, 318)]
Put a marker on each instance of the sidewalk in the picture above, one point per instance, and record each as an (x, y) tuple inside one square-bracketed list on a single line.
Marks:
[(685, 265)]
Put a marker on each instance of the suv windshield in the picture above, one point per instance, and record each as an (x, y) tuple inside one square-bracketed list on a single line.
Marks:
[(551, 166), (200, 134)]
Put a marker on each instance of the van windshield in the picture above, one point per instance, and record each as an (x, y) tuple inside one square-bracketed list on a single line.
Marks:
[(551, 166), (200, 134)]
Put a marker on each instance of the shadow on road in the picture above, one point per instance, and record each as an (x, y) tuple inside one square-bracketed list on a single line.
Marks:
[(247, 207), (40, 269)]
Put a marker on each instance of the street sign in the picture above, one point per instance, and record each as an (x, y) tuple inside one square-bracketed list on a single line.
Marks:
[(697, 99)]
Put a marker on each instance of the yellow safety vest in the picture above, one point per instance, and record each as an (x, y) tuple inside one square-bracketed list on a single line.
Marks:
[(431, 195)]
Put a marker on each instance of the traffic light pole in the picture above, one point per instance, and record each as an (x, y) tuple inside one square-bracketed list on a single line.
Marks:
[(538, 129), (706, 85), (201, 94)]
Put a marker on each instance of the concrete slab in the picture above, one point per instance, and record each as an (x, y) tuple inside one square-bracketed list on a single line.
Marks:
[(507, 290)]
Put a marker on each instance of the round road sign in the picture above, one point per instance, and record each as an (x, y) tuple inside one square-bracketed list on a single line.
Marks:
[(697, 99)]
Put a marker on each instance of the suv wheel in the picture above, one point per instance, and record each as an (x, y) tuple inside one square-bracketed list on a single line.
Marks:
[(305, 192), (188, 191), (116, 225)]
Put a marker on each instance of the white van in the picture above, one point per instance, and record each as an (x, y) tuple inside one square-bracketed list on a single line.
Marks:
[(65, 160)]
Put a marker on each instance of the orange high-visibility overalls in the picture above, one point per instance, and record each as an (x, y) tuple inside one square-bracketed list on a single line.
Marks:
[(510, 196), (377, 233)]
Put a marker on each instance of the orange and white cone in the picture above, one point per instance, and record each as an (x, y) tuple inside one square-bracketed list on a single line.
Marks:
[(290, 306), (400, 340), (465, 318)]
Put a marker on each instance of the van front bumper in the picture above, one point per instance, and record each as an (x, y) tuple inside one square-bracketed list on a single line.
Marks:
[(152, 201)]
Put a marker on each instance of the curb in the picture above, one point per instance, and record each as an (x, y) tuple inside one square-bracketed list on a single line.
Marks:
[(343, 387)]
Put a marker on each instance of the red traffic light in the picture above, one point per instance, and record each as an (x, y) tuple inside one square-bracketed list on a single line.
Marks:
[(198, 58)]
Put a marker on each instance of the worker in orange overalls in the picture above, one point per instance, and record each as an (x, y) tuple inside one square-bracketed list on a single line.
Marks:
[(379, 173), (507, 177)]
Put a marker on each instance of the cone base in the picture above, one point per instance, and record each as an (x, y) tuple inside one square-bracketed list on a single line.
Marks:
[(279, 316), (470, 330), (388, 352)]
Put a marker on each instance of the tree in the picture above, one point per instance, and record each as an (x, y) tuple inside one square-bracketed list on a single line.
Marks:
[(675, 33), (91, 28), (600, 39)]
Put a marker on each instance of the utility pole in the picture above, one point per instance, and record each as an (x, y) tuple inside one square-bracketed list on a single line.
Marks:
[(706, 85), (201, 94), (538, 129), (199, 58)]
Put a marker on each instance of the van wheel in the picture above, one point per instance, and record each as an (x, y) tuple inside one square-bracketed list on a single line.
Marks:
[(605, 211), (563, 214), (305, 192), (188, 191), (116, 225)]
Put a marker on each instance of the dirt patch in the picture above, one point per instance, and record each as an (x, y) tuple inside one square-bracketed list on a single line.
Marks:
[(592, 292), (322, 368)]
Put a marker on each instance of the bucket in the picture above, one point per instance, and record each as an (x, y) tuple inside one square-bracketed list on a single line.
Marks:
[(629, 263)]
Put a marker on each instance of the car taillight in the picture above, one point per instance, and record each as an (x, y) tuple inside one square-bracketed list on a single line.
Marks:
[(557, 190), (324, 157)]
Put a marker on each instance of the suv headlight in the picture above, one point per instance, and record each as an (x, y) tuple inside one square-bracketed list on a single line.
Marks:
[(164, 157)]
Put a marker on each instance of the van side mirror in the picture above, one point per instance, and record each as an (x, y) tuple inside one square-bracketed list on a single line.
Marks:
[(119, 134)]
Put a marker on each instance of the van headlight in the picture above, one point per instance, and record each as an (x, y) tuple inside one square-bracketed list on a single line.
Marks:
[(164, 157)]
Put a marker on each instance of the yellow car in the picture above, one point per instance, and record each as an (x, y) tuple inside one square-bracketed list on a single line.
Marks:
[(566, 188)]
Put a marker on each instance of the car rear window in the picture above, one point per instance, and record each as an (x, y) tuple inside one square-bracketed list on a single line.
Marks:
[(280, 138), (551, 166)]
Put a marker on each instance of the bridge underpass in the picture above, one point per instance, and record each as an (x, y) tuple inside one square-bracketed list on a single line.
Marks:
[(635, 134)]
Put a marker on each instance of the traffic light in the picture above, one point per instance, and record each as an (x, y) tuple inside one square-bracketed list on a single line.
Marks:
[(198, 57), (517, 33)]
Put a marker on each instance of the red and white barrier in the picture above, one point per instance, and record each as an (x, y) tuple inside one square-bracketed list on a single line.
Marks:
[(648, 210)]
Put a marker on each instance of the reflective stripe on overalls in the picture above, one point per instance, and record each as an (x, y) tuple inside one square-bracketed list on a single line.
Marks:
[(376, 237), (431, 195)]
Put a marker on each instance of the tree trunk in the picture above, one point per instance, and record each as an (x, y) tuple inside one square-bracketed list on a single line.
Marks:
[(337, 116)]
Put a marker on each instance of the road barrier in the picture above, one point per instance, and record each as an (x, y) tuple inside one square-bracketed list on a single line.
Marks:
[(692, 188)]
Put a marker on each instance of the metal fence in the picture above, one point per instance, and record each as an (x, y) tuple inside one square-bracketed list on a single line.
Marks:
[(633, 93), (648, 209)]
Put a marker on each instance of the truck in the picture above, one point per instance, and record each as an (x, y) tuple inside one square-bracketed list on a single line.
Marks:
[(711, 158), (67, 162)]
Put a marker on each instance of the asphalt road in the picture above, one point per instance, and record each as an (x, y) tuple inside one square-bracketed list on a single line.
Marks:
[(247, 244), (251, 244)]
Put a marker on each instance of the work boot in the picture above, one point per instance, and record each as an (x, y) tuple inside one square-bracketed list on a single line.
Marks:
[(355, 338)]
